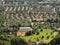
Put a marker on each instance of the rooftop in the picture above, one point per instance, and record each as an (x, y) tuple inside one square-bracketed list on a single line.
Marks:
[(25, 29)]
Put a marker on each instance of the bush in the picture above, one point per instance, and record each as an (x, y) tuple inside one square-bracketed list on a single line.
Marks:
[(18, 41)]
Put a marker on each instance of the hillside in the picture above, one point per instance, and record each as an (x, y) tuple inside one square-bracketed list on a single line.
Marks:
[(28, 23)]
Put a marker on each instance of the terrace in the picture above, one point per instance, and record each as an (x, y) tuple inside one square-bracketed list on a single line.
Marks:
[(45, 11)]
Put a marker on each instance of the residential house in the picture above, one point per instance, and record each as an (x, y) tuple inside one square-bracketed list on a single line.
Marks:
[(36, 43), (1, 2), (40, 19), (58, 29), (8, 1), (58, 8), (49, 9), (41, 43), (23, 31), (31, 43), (9, 30)]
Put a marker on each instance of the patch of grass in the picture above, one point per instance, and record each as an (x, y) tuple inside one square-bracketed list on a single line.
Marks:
[(46, 36)]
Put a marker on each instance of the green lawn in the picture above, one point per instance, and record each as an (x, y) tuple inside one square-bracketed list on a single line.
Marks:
[(46, 36)]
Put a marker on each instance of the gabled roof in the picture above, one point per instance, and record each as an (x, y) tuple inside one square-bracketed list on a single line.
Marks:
[(58, 28), (25, 29), (8, 0), (9, 29), (19, 0), (40, 19)]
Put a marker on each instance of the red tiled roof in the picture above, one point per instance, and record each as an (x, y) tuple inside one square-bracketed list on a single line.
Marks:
[(20, 32), (39, 19), (58, 28)]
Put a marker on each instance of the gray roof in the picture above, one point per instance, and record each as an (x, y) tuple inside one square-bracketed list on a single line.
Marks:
[(25, 29), (14, 0), (8, 0), (19, 0), (9, 29)]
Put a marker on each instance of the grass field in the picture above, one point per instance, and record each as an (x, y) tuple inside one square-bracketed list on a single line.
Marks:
[(44, 36)]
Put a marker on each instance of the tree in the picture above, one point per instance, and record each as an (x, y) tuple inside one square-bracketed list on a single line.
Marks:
[(3, 42), (18, 41), (2, 19)]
